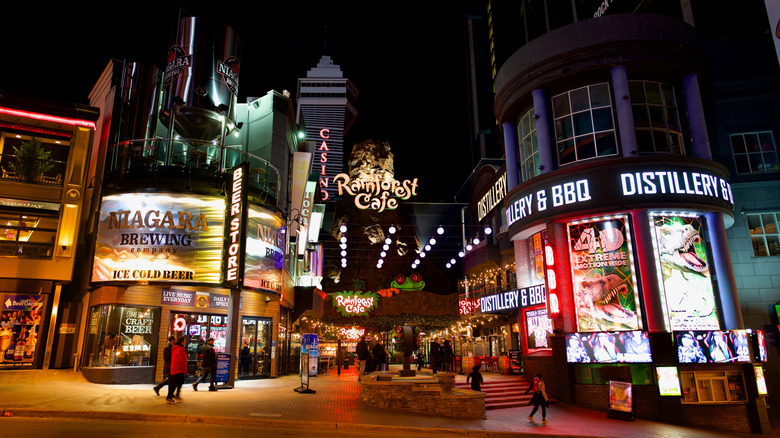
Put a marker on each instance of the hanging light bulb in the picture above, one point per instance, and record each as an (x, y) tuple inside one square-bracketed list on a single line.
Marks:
[(343, 245), (432, 241), (449, 265), (343, 253), (468, 247), (343, 228), (452, 261), (488, 230), (416, 261), (391, 230), (343, 239), (388, 241), (383, 254), (427, 247), (385, 247), (461, 254), (422, 254), (440, 230), (476, 241)]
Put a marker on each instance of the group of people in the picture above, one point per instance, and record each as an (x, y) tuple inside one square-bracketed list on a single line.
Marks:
[(175, 368), (442, 356), (371, 359)]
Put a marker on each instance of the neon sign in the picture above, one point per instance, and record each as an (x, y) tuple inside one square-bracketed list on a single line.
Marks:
[(376, 194), (237, 216), (351, 333), (355, 303), (468, 306), (492, 197), (179, 324), (549, 261)]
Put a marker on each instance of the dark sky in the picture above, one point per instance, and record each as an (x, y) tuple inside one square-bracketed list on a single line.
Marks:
[(407, 63)]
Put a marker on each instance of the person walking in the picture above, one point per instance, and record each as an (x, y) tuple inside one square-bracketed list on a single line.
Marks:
[(476, 378), (449, 355), (178, 370), (538, 399), (435, 355), (209, 365), (167, 364), (380, 356), (362, 354)]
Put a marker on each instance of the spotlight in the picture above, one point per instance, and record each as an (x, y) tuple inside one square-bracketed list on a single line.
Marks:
[(440, 230)]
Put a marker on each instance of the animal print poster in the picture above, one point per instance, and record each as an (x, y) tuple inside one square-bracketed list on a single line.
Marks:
[(684, 273), (602, 272)]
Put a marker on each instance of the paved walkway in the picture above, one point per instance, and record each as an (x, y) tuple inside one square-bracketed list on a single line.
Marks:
[(272, 402)]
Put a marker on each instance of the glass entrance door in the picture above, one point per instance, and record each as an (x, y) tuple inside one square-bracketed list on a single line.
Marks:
[(196, 329), (255, 353)]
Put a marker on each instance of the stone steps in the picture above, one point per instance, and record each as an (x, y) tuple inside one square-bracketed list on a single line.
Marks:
[(502, 394)]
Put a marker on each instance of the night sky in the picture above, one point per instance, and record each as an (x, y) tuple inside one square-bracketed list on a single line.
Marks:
[(407, 63)]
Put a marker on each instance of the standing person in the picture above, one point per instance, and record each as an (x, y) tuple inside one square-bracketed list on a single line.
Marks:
[(178, 370), (209, 366), (167, 364), (420, 358), (476, 378), (539, 398), (448, 355), (362, 354), (435, 355), (380, 356)]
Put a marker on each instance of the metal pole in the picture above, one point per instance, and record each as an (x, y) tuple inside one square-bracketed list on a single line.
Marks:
[(338, 357)]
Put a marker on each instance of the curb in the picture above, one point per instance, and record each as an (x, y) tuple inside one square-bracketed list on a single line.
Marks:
[(263, 422)]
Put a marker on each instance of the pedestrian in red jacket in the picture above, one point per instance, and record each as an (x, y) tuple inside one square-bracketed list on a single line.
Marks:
[(178, 370)]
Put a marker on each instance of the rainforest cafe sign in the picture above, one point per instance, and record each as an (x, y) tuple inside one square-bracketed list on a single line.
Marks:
[(355, 303), (376, 193)]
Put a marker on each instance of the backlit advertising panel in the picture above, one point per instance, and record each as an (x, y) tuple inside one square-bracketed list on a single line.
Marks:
[(162, 237), (608, 347), (538, 328), (264, 253), (712, 346), (683, 271), (602, 271), (620, 396), (668, 381)]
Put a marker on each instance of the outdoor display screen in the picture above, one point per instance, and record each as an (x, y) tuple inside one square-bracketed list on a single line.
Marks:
[(606, 347), (713, 346), (602, 271), (538, 328), (683, 271), (159, 237), (761, 346), (668, 381), (264, 250)]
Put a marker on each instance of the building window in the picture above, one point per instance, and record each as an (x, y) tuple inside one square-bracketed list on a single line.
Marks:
[(529, 147), (764, 234), (713, 387), (656, 118), (27, 236), (754, 152), (121, 336), (584, 125)]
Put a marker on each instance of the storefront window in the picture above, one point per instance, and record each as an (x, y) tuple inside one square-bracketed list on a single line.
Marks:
[(26, 236), (713, 387), (196, 329), (255, 353), (121, 336)]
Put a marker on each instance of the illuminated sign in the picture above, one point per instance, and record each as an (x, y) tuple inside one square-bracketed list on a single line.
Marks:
[(539, 328), (355, 303), (264, 250), (620, 397), (533, 296), (608, 347), (500, 301), (713, 346), (351, 333), (492, 198), (760, 346), (620, 185), (468, 306), (760, 380), (684, 273), (188, 298), (163, 237), (668, 381), (24, 203), (375, 194), (330, 159), (602, 270), (179, 324), (137, 322), (237, 213), (549, 262)]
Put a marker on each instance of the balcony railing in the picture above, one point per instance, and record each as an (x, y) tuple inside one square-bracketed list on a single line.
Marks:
[(48, 172), (151, 155)]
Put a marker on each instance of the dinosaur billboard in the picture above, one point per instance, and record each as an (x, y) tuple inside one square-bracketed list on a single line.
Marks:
[(602, 273), (684, 274)]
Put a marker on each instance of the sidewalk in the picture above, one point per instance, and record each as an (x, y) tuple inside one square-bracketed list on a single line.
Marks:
[(273, 403)]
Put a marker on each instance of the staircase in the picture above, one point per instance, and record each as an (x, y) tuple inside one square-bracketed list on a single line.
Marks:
[(502, 394)]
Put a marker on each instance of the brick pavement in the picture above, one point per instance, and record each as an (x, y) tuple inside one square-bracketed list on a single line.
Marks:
[(272, 402)]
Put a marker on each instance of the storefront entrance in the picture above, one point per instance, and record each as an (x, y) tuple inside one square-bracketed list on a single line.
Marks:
[(256, 348), (197, 328)]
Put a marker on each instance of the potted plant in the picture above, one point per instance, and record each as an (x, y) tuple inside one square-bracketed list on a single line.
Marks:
[(32, 161)]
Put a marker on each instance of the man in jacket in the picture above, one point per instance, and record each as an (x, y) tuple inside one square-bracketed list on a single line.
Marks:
[(538, 399), (209, 366), (178, 369), (167, 364), (362, 354), (380, 356), (435, 355)]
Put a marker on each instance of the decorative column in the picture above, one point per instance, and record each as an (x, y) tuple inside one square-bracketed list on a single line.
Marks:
[(721, 262), (625, 116), (543, 131), (510, 154), (648, 273), (701, 140)]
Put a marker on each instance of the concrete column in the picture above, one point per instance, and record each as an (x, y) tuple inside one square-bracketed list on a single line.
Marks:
[(648, 272), (701, 140), (625, 116), (721, 262), (510, 152), (543, 131)]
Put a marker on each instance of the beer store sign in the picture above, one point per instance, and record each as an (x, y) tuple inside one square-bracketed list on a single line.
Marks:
[(614, 186)]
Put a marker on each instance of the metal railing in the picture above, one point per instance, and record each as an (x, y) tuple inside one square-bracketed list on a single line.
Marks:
[(154, 154), (33, 171)]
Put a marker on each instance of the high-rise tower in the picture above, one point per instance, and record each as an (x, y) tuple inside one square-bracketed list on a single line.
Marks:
[(327, 108)]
